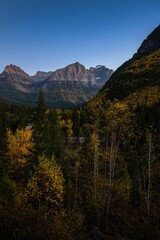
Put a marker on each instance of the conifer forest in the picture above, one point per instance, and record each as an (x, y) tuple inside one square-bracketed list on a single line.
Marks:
[(87, 173)]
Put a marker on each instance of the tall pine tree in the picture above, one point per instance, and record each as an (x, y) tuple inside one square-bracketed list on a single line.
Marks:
[(39, 129)]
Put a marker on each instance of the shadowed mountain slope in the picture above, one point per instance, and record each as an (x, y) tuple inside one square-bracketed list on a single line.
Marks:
[(140, 74)]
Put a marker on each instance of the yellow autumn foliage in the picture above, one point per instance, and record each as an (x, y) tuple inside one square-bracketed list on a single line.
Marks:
[(45, 188), (19, 145)]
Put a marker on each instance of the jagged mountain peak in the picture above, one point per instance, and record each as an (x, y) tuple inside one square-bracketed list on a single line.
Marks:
[(41, 75), (75, 66), (72, 72), (150, 44), (38, 73), (13, 69), (100, 66)]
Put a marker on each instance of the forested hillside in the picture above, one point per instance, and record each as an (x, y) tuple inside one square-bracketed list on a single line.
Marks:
[(88, 173), (82, 174)]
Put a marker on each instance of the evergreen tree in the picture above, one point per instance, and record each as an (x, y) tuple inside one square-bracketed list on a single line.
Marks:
[(39, 129), (54, 138)]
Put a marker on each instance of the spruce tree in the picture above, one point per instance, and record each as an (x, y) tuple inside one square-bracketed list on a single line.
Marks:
[(39, 129)]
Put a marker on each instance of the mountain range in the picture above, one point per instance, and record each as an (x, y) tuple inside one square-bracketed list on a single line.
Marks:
[(63, 88), (135, 82)]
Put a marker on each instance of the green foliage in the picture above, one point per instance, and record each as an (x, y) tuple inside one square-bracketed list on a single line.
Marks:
[(53, 135), (68, 226)]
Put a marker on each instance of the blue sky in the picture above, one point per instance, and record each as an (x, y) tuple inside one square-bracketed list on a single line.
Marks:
[(50, 34)]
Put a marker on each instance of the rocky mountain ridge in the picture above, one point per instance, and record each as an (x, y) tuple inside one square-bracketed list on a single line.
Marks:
[(41, 76), (13, 69), (70, 86), (150, 44)]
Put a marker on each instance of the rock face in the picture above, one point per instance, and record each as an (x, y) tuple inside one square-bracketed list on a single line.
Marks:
[(77, 73), (101, 73), (64, 88), (12, 69), (41, 76), (14, 78), (150, 44), (73, 72)]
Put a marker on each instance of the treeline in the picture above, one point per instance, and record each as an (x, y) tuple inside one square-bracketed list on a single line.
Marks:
[(53, 186)]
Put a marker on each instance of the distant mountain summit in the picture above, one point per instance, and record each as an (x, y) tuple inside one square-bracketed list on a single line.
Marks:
[(76, 72), (73, 72), (64, 88), (41, 76), (12, 69)]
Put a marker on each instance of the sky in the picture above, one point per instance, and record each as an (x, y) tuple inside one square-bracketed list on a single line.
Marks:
[(50, 34)]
